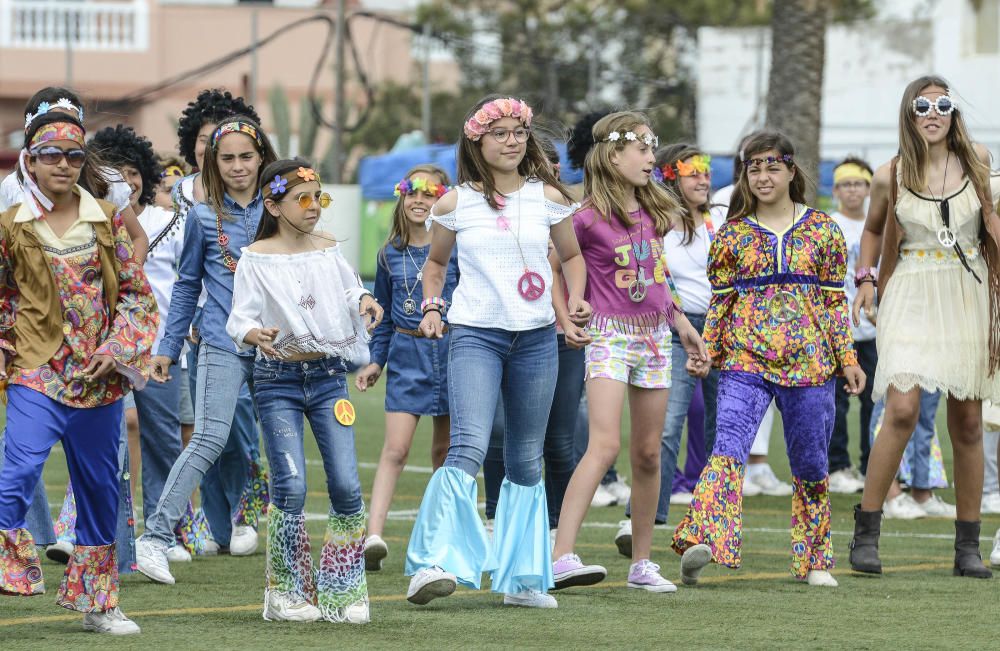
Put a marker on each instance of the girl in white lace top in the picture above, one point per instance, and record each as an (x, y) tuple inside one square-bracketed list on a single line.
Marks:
[(298, 301)]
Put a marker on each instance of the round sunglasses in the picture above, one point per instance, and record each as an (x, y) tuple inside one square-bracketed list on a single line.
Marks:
[(52, 155), (943, 105), (305, 201)]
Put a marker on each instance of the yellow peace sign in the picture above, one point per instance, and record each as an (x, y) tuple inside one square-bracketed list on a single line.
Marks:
[(344, 411)]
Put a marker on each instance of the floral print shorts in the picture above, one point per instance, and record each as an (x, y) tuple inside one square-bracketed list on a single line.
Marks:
[(642, 360)]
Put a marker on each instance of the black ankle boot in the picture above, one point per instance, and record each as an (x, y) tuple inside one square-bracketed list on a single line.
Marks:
[(968, 562), (864, 545)]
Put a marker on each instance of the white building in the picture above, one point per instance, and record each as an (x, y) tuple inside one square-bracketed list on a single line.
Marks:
[(868, 64)]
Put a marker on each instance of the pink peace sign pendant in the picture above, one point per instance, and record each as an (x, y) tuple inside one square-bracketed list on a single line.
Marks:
[(531, 285)]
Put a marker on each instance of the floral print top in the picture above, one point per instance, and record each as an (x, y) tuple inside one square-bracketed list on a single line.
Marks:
[(778, 306), (125, 334)]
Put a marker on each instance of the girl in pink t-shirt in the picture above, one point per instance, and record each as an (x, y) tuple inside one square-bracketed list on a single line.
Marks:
[(620, 229)]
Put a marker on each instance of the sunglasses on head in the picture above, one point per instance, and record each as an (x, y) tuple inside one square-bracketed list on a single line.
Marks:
[(305, 201), (944, 105), (52, 155)]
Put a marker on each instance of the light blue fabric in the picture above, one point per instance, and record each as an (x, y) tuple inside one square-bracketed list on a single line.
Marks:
[(449, 532), (521, 540)]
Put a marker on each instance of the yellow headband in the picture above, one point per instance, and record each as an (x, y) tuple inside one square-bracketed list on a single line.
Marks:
[(851, 171)]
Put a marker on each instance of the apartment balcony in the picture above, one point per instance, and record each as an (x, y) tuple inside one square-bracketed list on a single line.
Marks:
[(106, 26)]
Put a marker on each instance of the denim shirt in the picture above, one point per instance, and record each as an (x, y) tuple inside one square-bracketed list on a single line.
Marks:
[(201, 262)]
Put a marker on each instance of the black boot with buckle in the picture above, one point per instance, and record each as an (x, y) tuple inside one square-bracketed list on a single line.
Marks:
[(968, 561), (864, 545)]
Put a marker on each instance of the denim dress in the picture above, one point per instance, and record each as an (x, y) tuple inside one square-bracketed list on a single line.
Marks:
[(417, 374)]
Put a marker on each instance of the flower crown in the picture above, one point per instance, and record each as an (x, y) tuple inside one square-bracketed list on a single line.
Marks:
[(700, 164), (768, 160), (45, 107), (490, 112), (282, 183), (409, 186), (630, 136)]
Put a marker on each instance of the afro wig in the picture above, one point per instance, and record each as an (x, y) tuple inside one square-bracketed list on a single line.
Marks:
[(210, 107), (581, 140), (119, 146)]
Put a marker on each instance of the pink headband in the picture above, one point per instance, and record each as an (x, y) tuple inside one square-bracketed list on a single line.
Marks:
[(490, 112)]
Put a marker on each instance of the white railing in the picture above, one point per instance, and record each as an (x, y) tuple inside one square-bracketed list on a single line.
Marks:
[(80, 24)]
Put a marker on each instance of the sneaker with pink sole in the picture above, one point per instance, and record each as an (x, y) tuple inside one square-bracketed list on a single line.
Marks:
[(645, 575)]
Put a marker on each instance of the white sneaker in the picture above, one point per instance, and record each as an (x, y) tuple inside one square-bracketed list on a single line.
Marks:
[(936, 507), (281, 607), (151, 560), (995, 554), (429, 584), (856, 473), (693, 561), (375, 552), (681, 499), (243, 542), (990, 504), (60, 551), (750, 488), (603, 497), (211, 548), (112, 622), (902, 507), (843, 482), (821, 578), (762, 475), (530, 599), (358, 612), (620, 489), (178, 554), (623, 539)]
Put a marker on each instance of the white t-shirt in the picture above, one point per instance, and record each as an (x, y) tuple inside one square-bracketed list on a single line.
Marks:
[(853, 229), (161, 263), (119, 191), (688, 264), (491, 262)]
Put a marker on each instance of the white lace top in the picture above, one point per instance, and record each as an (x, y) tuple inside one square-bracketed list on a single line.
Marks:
[(489, 260), (312, 298)]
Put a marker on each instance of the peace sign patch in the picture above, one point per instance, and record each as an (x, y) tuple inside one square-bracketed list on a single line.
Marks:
[(344, 411)]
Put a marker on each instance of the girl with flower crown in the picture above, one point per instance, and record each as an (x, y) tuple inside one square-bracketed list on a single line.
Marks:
[(301, 305), (506, 207), (777, 328), (417, 376), (214, 234), (619, 228)]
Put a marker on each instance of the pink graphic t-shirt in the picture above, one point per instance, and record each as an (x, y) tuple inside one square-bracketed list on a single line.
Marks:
[(626, 283)]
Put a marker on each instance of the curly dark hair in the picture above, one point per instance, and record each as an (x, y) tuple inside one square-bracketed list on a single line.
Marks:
[(119, 146), (211, 106), (581, 140)]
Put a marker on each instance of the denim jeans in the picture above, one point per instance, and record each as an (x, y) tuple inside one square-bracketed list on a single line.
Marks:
[(917, 455), (681, 390), (287, 393), (559, 437), (839, 456), (485, 363), (158, 407), (221, 374)]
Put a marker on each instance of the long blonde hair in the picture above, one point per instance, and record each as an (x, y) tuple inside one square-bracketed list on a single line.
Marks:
[(914, 153), (399, 230), (604, 188)]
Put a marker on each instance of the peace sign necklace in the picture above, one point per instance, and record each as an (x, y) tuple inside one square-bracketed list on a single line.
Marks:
[(410, 305), (783, 305), (637, 288), (531, 285), (945, 235)]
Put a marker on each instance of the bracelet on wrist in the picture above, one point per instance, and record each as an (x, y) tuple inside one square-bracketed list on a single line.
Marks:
[(433, 308), (434, 301)]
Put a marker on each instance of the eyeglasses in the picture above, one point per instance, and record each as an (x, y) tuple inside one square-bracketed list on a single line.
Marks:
[(520, 134), (944, 105), (52, 155), (852, 185), (305, 201)]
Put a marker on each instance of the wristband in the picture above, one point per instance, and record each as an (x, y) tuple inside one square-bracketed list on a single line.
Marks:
[(865, 274), (435, 301), (433, 308)]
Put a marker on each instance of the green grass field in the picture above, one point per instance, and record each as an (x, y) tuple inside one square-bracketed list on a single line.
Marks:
[(216, 603)]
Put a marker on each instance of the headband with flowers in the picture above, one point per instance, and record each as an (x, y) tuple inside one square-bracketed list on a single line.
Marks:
[(45, 107), (768, 160), (700, 164), (282, 183), (236, 126), (648, 139), (490, 112), (171, 170), (409, 186)]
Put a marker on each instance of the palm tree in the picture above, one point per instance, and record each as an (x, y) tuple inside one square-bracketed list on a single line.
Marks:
[(795, 86)]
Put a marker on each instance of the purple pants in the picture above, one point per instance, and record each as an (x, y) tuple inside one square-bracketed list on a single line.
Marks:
[(715, 517)]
